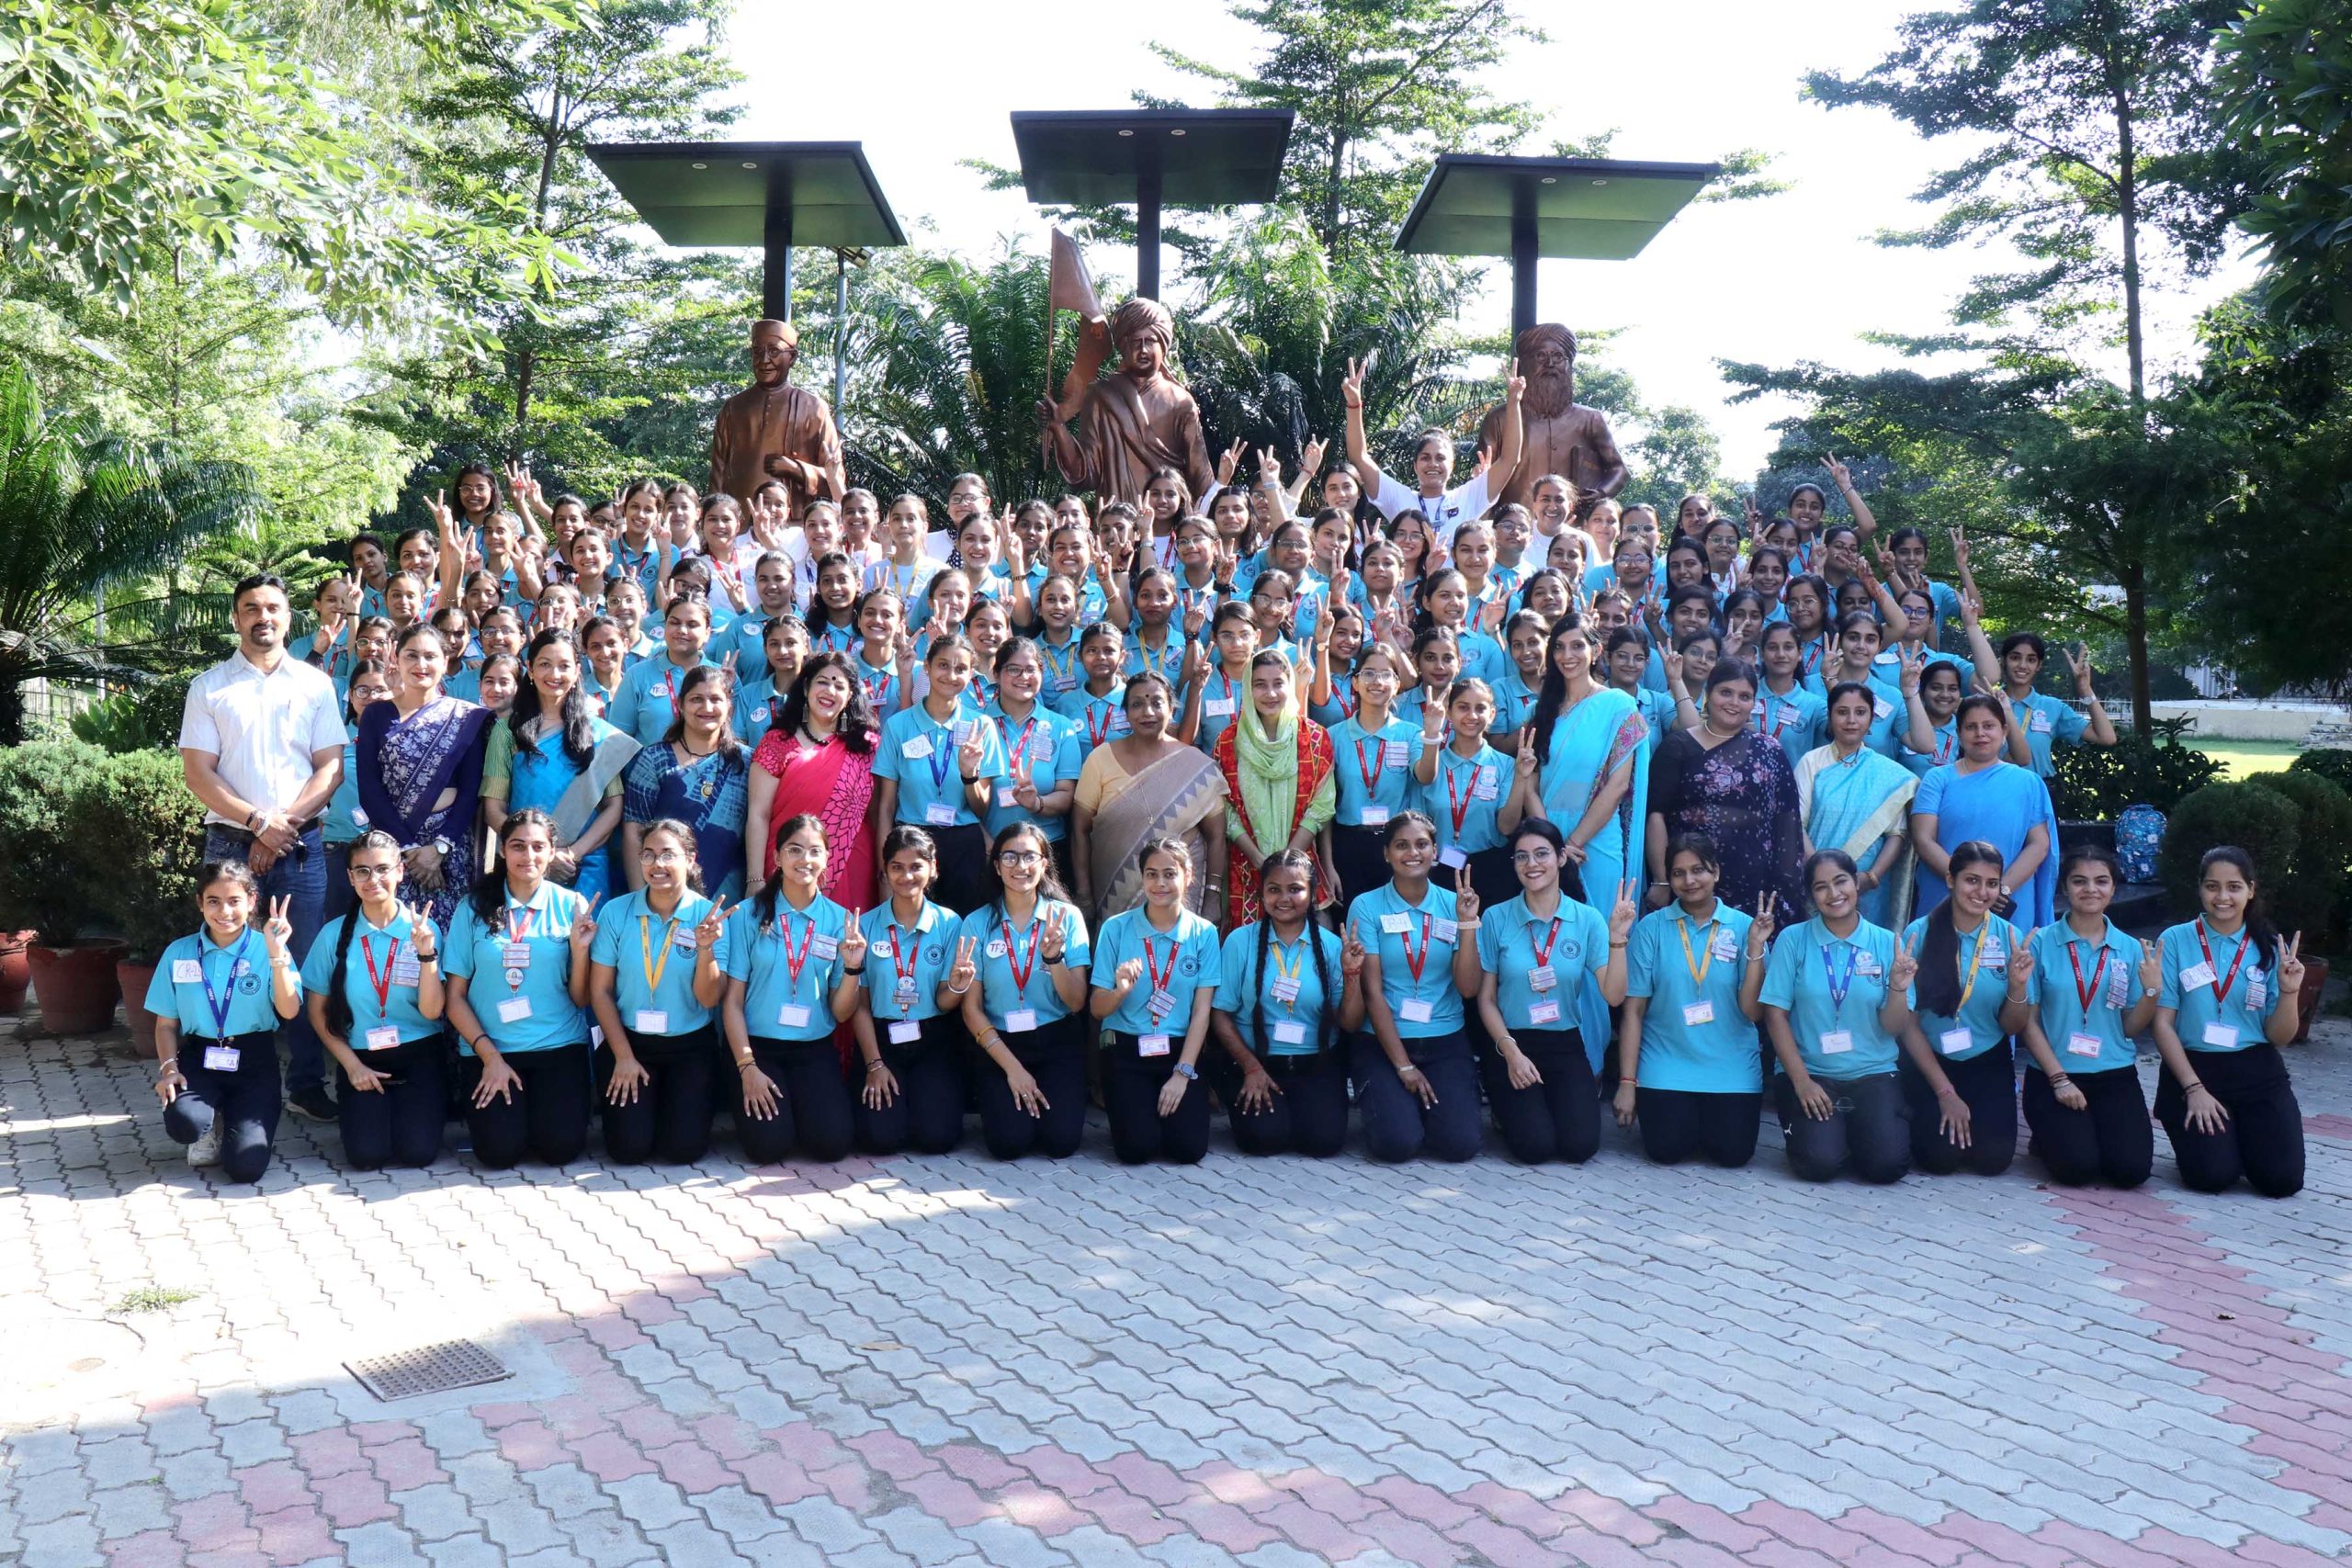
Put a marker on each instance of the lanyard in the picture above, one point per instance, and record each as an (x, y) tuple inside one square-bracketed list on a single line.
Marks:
[(1810, 655), (1014, 751), (1413, 962), (877, 687), (2082, 994), (1944, 739), (1061, 662), (1170, 647), (1544, 952), (1699, 967), (792, 964), (1096, 733), (1974, 960), (383, 984), (670, 682), (1021, 972), (1785, 706), (1460, 804), (2222, 988), (1838, 988), (517, 930), (1296, 967), (1152, 967), (904, 965), (1347, 704), (227, 997), (941, 755), (1371, 770), (653, 971)]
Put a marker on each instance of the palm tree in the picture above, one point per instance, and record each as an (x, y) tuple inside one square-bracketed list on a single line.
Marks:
[(79, 511)]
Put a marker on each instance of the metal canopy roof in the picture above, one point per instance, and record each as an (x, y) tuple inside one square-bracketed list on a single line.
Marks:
[(1203, 157), (721, 193), (1597, 209)]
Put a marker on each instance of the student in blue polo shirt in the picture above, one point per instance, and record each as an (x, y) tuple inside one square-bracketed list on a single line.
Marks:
[(648, 699), (1372, 755), (937, 768), (912, 1096), (1687, 1048), (1288, 994), (1969, 998), (655, 976), (518, 1000), (2047, 722), (1155, 977), (1538, 952), (2231, 997), (2091, 990), (218, 996), (794, 966), (378, 1010), (1835, 1002), (1042, 750), (1019, 978), (1415, 1076), (1466, 786)]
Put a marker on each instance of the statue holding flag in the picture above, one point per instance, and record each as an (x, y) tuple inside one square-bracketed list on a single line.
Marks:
[(1130, 424)]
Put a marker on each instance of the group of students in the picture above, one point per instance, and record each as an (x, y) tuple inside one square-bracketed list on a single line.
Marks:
[(1415, 863)]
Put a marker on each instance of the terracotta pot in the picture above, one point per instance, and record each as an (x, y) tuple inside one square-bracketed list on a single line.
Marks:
[(2307, 999), (76, 985), (133, 979), (15, 974)]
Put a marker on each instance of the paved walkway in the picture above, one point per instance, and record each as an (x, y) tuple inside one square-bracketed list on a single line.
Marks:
[(949, 1361)]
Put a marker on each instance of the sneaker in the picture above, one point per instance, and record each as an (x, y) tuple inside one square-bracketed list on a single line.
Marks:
[(311, 1103), (205, 1150)]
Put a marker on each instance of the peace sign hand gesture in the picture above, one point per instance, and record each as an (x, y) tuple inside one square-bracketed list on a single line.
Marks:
[(583, 925), (1228, 559), (853, 944), (1906, 967), (1229, 462), (1351, 387), (1466, 896), (1196, 615), (1514, 384), (2290, 964), (1269, 466), (424, 936), (1351, 955), (1839, 475), (1915, 666), (961, 973), (1432, 724), (2078, 663), (1310, 456), (2020, 963), (972, 749), (711, 927), (1760, 927), (278, 932), (1623, 913), (1055, 938), (1523, 765), (1960, 549), (2151, 967)]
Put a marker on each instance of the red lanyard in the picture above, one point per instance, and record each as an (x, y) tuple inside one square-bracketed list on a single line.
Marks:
[(670, 685), (384, 984), (791, 964), (1460, 804), (1788, 710), (1110, 718), (2085, 993), (905, 965), (1159, 976), (877, 687), (1543, 953), (1015, 750), (1021, 972), (1414, 963), (1371, 770), (1812, 660), (2222, 988), (1348, 706), (518, 930)]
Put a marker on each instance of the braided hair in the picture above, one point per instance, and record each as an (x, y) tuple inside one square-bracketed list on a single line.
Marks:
[(1326, 1027)]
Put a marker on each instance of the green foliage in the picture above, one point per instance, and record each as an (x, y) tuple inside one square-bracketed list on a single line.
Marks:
[(2309, 897), (2332, 762), (2256, 819), (44, 881), (150, 1298), (2152, 767), (139, 833), (2286, 80)]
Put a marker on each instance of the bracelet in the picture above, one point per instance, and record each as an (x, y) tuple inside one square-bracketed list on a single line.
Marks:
[(743, 1062), (1614, 943), (875, 1065), (2058, 1079), (1465, 925), (2194, 1085), (859, 970), (957, 990)]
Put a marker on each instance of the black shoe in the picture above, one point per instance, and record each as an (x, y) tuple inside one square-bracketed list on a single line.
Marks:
[(312, 1104)]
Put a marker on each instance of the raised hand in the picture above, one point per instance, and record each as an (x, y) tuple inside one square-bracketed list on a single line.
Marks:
[(961, 973), (1351, 387), (1432, 724), (1310, 456), (1229, 462), (1351, 955), (1623, 913), (424, 936), (2151, 967), (2078, 664), (1196, 615), (1960, 549), (1481, 460), (1760, 929), (711, 927), (1673, 663), (583, 925), (1269, 466), (278, 932), (2020, 963), (1839, 475), (1523, 763), (1904, 969), (1228, 559), (1466, 896), (852, 945), (1055, 937), (2290, 964), (1514, 384), (1915, 667), (972, 749)]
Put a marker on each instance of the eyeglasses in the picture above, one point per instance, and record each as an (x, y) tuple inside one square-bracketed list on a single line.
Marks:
[(1533, 857), (1020, 857), (801, 851), (374, 873)]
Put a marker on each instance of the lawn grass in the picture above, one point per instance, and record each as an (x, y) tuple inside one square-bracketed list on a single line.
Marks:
[(2244, 758)]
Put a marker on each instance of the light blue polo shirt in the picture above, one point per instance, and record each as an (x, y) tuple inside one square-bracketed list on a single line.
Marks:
[(747, 640), (1925, 762), (1797, 720), (2048, 721), (919, 753), (1221, 700), (1514, 701), (1396, 931), (923, 954), (1694, 1038), (1482, 657), (394, 966), (646, 701), (238, 979), (345, 820), (1045, 748), (1573, 941), (832, 639), (884, 691), (1294, 1024), (627, 930), (998, 956), (756, 707), (1465, 799), (1387, 756), (2065, 966), (2236, 1021), (1797, 981), (1980, 1011), (1100, 719), (781, 1002), (1182, 962), (479, 954), (1064, 673), (1166, 661)]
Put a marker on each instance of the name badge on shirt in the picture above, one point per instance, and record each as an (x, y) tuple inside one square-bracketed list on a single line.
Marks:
[(1218, 707), (1415, 1011), (683, 938), (1452, 856), (406, 970), (1284, 989), (1485, 786), (1290, 1032), (358, 817), (515, 956), (1152, 1044), (1376, 817), (939, 814), (1956, 1041), (1541, 977), (792, 1015), (915, 746), (2219, 1033), (1020, 1021), (1005, 795), (187, 972), (220, 1058), (1446, 930), (652, 1021), (513, 1009), (1882, 708), (1864, 964), (905, 1031), (2041, 724), (1725, 946), (1397, 924), (2082, 1044), (385, 1037), (1837, 1041), (825, 947), (1695, 1013), (2196, 976), (1547, 1011)]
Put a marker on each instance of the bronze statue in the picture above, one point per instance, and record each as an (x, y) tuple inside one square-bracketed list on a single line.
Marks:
[(1130, 424), (1560, 436), (773, 430)]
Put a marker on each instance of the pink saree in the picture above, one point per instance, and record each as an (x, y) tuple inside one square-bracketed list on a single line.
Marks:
[(835, 785)]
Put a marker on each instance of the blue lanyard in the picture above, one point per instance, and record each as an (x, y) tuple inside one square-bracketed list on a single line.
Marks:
[(223, 1003), (1838, 988), (939, 758)]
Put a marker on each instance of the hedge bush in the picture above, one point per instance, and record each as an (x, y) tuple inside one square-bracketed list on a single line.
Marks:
[(2261, 821), (2308, 897), (45, 882), (2096, 782), (137, 835), (2329, 762)]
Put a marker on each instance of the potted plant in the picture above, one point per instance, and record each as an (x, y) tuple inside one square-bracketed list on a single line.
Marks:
[(141, 835), (16, 971), (46, 885)]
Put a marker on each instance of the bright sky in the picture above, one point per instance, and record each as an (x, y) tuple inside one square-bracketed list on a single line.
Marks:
[(1774, 281)]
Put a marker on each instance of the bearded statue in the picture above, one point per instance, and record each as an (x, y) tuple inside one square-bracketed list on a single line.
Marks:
[(1560, 436), (1130, 424)]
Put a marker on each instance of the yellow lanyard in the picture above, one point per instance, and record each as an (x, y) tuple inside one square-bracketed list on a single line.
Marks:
[(1975, 959), (1698, 967), (1298, 967), (653, 971)]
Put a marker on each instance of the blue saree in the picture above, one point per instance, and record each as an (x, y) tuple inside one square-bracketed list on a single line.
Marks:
[(1589, 743), (2001, 805)]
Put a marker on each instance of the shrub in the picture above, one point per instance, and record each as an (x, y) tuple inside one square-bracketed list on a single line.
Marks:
[(2328, 763), (2258, 820), (2308, 897), (2157, 768), (137, 834), (45, 883)]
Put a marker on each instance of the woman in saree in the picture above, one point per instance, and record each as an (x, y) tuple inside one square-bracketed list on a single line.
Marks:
[(1145, 784), (552, 752), (1985, 797), (420, 759), (1725, 780), (1279, 786), (1584, 766), (696, 774), (1856, 798), (816, 760)]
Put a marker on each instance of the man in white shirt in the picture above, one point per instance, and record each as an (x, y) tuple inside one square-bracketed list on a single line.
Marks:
[(261, 742), (1446, 509)]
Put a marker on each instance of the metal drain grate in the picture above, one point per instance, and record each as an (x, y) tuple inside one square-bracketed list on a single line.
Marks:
[(430, 1369)]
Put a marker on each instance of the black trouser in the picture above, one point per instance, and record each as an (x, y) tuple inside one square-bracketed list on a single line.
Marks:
[(1397, 1125), (812, 1102), (1868, 1128), (1557, 1119), (963, 883), (1054, 1055), (1309, 1116), (1678, 1123), (1987, 1083), (927, 1113), (2263, 1139), (546, 1116), (1131, 1086), (2110, 1139), (1358, 857), (669, 1121), (244, 1104), (398, 1124)]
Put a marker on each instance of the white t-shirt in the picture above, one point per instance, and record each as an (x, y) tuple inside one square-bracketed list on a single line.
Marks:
[(1463, 502), (264, 728)]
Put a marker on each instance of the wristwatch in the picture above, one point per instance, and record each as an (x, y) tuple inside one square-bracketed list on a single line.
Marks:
[(442, 847), (1186, 1070)]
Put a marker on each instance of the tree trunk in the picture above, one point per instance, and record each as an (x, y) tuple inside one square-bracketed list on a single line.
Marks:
[(1332, 196), (2128, 206), (2135, 641), (526, 358)]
